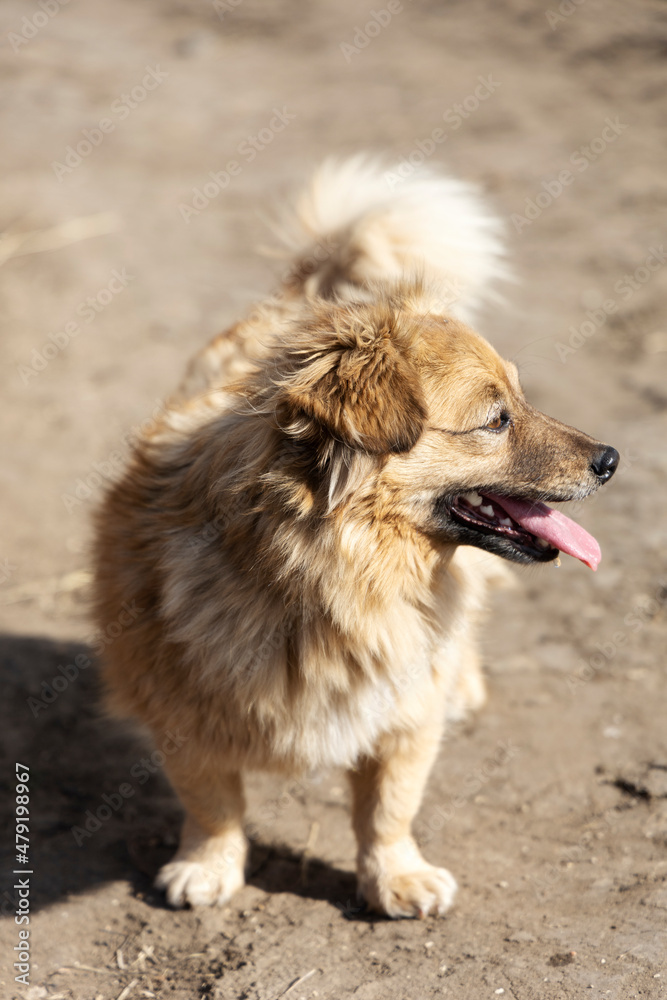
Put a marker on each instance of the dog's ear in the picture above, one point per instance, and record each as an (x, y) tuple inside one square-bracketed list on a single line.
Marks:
[(359, 384)]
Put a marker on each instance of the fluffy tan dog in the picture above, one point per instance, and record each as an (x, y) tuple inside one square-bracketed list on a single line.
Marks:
[(303, 527)]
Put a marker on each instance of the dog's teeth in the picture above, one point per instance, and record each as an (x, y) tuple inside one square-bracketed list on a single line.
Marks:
[(543, 543), (474, 499), (506, 521), (487, 510)]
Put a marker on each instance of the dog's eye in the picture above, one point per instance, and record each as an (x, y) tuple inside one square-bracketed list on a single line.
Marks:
[(499, 422)]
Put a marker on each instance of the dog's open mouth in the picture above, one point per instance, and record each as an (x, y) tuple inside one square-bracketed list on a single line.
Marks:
[(536, 530)]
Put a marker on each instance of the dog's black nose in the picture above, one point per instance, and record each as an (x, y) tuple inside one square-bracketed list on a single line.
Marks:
[(604, 464)]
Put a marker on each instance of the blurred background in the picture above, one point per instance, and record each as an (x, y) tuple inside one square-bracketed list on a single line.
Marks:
[(144, 144)]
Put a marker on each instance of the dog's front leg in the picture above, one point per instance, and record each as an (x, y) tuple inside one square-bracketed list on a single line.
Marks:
[(387, 789), (209, 864)]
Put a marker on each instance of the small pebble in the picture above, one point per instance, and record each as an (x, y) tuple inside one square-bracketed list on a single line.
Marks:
[(501, 990)]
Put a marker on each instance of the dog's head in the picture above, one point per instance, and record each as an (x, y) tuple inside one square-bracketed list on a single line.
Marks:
[(425, 411)]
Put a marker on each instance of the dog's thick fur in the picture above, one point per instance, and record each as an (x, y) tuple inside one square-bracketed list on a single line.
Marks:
[(304, 600)]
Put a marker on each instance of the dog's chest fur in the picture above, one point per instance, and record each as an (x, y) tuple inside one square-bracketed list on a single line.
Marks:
[(309, 686)]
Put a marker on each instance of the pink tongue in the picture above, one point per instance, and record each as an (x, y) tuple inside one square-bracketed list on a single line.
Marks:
[(553, 527)]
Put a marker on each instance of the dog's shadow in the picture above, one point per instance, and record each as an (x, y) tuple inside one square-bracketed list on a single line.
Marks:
[(100, 806)]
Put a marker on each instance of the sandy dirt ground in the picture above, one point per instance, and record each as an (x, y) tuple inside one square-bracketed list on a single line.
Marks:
[(550, 806)]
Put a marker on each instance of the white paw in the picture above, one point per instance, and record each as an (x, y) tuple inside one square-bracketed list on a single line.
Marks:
[(397, 881), (196, 883)]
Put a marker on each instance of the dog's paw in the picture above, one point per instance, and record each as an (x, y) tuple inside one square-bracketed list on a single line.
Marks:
[(207, 882), (426, 892), (190, 883), (397, 881)]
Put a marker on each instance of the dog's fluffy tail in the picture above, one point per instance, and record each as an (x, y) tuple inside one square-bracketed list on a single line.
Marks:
[(359, 222)]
